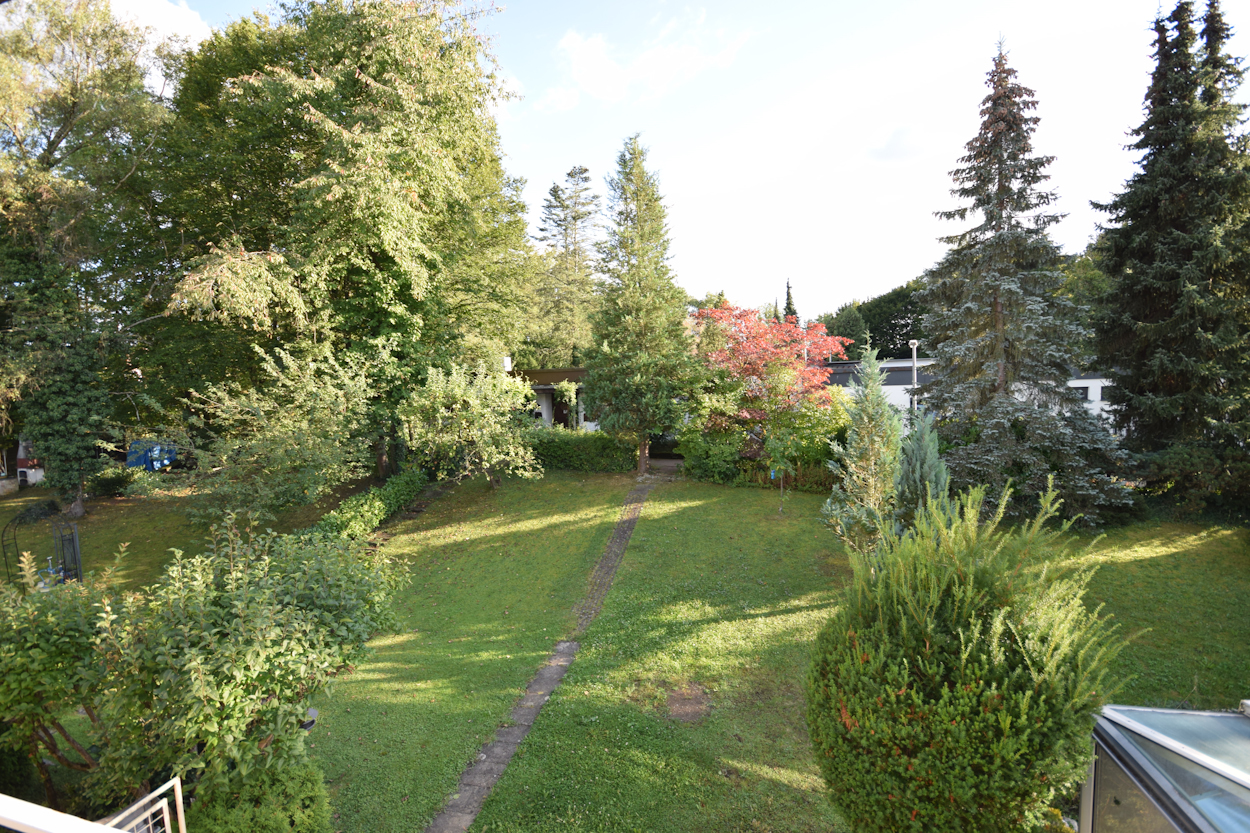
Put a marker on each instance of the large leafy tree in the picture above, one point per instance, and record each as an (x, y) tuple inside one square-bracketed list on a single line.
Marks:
[(77, 128), (1003, 334), (1172, 328), (374, 215), (642, 368), (564, 298)]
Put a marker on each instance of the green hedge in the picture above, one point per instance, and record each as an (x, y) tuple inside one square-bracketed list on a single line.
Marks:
[(360, 514), (956, 687), (288, 800), (561, 449)]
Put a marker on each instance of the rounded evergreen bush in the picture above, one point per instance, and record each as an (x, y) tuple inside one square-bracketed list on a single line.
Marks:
[(288, 800), (956, 687)]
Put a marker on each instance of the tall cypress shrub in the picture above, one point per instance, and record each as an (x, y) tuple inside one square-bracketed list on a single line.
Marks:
[(860, 508)]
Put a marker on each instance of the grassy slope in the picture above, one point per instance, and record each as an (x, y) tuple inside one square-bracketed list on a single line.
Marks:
[(1190, 586), (718, 590), (495, 576)]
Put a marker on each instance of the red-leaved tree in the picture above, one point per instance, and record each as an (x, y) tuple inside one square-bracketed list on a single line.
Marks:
[(779, 364)]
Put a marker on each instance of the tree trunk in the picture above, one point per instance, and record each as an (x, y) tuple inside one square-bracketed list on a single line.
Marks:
[(383, 460), (76, 509), (1001, 381), (781, 505), (49, 790), (644, 448)]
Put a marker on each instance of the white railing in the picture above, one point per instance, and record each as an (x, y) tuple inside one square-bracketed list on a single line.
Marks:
[(151, 814)]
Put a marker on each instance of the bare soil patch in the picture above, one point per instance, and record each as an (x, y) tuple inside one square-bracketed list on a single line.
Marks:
[(688, 704)]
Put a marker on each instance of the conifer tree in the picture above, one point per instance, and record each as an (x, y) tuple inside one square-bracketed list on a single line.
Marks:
[(642, 367), (790, 311), (1004, 336), (922, 476), (564, 297), (1172, 330), (861, 507)]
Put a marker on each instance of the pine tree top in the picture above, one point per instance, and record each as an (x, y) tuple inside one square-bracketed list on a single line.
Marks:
[(999, 172)]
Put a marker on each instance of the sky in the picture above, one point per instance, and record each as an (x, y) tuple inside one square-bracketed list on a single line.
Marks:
[(811, 141)]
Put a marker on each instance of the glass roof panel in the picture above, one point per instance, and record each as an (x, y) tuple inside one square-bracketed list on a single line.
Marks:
[(1225, 804), (1224, 736)]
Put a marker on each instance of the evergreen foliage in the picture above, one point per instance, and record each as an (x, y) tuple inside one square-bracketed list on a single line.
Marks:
[(956, 686), (922, 476), (65, 420), (559, 449), (564, 299), (1004, 337), (861, 507), (1172, 327), (357, 516), (642, 366), (790, 311), (895, 318)]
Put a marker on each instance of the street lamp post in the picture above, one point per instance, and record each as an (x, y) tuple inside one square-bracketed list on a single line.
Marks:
[(913, 344)]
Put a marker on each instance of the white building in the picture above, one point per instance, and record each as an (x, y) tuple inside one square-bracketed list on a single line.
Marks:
[(898, 382)]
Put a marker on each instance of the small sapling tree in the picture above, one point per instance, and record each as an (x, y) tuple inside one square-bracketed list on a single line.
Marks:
[(861, 508)]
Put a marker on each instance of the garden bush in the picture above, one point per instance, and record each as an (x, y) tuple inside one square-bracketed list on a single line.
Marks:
[(112, 481), (17, 773), (563, 450), (360, 514), (956, 687), (207, 674), (711, 456), (289, 800)]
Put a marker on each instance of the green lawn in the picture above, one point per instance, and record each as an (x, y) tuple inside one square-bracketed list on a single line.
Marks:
[(495, 577), (151, 526), (717, 595), (1185, 591), (717, 600)]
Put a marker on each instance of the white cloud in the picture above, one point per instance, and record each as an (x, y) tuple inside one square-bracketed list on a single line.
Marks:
[(682, 50), (166, 18)]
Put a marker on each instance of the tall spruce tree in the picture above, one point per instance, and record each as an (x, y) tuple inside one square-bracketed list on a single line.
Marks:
[(564, 297), (642, 367), (1172, 330), (1003, 334), (790, 311)]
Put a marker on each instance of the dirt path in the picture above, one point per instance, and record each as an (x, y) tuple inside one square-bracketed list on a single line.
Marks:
[(481, 776)]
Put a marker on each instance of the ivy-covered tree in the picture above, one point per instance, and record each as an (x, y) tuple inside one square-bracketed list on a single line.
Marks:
[(642, 368), (1173, 329), (563, 299), (1004, 337)]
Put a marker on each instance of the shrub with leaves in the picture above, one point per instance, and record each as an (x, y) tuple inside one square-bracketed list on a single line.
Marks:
[(360, 514), (563, 450), (207, 674), (956, 687), (287, 445), (464, 422)]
